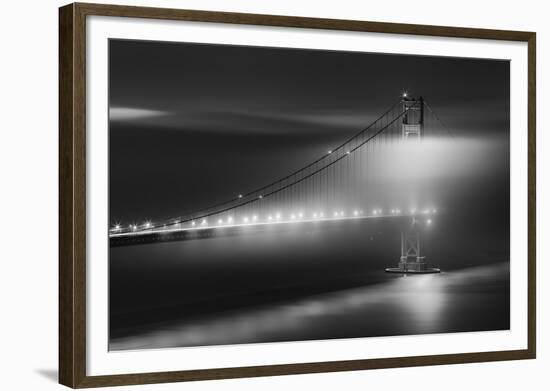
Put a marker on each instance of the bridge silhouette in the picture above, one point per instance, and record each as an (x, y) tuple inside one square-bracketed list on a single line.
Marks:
[(371, 175)]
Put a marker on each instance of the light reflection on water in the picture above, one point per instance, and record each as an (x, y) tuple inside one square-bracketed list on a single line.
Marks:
[(471, 299)]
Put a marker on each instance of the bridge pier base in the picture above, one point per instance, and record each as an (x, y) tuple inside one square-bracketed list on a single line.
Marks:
[(411, 260)]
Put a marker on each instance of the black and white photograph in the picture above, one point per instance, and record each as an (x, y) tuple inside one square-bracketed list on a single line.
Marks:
[(270, 194), (261, 195)]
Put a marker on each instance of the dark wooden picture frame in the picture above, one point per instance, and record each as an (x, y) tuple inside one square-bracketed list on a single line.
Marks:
[(72, 194)]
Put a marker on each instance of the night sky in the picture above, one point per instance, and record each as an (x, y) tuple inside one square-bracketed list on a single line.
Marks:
[(193, 124)]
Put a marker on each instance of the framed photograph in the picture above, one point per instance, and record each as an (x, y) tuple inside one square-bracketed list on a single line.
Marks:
[(251, 195)]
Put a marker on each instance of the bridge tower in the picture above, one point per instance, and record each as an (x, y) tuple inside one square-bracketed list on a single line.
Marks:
[(413, 120), (412, 260)]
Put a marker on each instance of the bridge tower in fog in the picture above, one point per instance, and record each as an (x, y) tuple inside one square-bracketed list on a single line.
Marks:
[(412, 129), (413, 120)]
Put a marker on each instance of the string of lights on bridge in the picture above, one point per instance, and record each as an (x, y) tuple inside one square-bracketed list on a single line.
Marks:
[(274, 218)]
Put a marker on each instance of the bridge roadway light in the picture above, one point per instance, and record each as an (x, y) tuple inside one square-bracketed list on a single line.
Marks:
[(300, 215), (429, 221), (321, 214), (240, 196), (269, 218), (230, 219), (355, 213), (292, 216), (329, 151), (203, 222), (245, 219), (314, 215), (192, 223), (278, 216), (254, 218), (220, 221)]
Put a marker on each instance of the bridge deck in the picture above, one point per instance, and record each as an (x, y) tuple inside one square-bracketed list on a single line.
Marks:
[(202, 232)]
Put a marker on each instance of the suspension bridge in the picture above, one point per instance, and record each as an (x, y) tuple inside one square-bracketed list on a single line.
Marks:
[(372, 175)]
